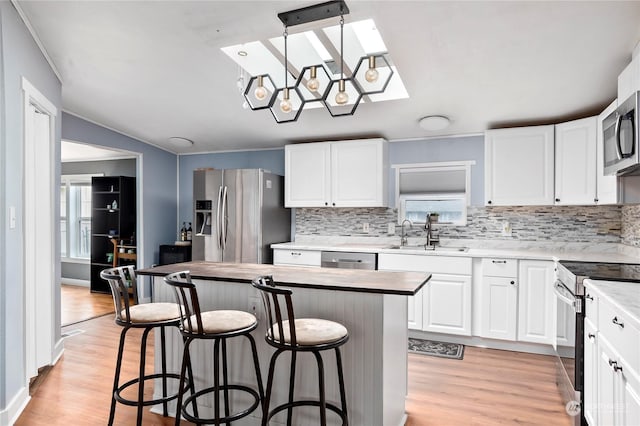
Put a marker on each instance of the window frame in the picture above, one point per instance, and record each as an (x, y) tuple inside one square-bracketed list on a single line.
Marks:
[(72, 249), (427, 196)]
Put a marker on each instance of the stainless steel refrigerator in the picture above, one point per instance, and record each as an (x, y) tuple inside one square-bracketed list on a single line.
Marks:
[(239, 213)]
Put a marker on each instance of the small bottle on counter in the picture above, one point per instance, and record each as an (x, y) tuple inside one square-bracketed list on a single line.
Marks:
[(183, 232), (189, 232)]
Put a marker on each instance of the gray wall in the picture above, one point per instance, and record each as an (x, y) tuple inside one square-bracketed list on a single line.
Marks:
[(19, 56), (156, 181), (125, 167)]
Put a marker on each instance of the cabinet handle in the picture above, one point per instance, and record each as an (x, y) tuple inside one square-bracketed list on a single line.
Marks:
[(293, 253), (333, 204), (588, 296), (591, 336), (489, 202), (498, 261), (326, 204), (595, 200), (557, 200), (614, 365), (512, 283), (616, 321)]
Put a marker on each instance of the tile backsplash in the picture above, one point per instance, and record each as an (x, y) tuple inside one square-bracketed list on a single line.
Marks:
[(598, 224)]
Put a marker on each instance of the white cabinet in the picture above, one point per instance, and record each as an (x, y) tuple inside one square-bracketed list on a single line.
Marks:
[(296, 257), (629, 80), (444, 303), (519, 166), (607, 188), (575, 162), (535, 301), (499, 298), (590, 408), (337, 174)]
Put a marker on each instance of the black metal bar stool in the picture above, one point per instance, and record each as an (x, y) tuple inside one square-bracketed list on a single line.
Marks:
[(218, 325), (286, 333), (146, 316)]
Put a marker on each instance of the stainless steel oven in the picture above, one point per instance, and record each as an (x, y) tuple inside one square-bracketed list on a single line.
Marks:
[(569, 345)]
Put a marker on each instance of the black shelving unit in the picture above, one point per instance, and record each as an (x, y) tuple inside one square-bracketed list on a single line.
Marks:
[(113, 215)]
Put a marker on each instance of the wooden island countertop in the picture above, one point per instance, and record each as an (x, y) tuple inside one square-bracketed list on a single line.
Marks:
[(381, 282)]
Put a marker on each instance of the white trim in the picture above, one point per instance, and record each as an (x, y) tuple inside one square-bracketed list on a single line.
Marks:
[(38, 99), (78, 260), (427, 138), (75, 282), (36, 38), (126, 155), (58, 351), (15, 407), (435, 164), (97, 123), (230, 150)]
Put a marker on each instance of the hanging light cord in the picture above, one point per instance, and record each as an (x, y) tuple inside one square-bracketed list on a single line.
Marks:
[(286, 63), (341, 46)]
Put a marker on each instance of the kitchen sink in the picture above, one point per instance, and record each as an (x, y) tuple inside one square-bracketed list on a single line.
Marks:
[(446, 249)]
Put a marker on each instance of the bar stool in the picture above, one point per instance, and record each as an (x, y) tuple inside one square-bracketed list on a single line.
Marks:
[(146, 316), (218, 325), (299, 335)]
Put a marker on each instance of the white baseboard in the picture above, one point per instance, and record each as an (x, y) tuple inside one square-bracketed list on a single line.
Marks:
[(76, 282), (10, 415), (58, 350)]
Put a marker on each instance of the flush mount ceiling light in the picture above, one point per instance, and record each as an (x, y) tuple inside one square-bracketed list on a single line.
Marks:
[(180, 142), (320, 81), (434, 122)]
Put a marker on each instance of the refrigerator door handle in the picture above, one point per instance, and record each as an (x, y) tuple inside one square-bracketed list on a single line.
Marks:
[(225, 217), (218, 218)]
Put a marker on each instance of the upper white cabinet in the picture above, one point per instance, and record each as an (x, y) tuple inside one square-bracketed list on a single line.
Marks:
[(575, 162), (607, 186), (337, 174), (629, 80), (519, 166)]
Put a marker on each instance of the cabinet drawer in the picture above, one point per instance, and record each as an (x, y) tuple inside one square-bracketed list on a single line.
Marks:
[(499, 267), (591, 305), (425, 263), (619, 331), (296, 257)]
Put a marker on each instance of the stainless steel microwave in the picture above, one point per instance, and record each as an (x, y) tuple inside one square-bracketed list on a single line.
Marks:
[(620, 134)]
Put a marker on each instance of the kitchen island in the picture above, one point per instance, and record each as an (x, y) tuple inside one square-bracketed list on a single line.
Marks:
[(372, 305)]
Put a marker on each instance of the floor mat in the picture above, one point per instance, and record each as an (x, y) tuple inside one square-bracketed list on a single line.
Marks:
[(434, 348)]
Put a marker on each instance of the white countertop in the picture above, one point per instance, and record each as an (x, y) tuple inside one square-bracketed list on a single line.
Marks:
[(528, 251), (624, 295)]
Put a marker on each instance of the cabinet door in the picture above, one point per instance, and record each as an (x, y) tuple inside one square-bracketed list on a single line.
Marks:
[(446, 304), (414, 310), (631, 396), (590, 373), (608, 386), (519, 166), (499, 307), (629, 80), (307, 175), (358, 173), (606, 186), (535, 301), (575, 145)]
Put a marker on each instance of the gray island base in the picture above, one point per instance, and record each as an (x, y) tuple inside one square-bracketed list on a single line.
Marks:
[(372, 305)]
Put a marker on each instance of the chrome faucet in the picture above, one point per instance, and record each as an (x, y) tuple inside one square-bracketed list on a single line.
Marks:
[(403, 238), (428, 226)]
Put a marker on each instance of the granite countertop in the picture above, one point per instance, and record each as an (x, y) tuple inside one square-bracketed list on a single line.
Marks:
[(581, 252), (624, 295), (399, 283)]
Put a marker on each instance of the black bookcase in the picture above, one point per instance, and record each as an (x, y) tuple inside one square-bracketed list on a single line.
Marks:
[(113, 216)]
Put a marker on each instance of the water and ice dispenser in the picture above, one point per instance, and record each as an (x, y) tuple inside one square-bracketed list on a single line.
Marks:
[(203, 217)]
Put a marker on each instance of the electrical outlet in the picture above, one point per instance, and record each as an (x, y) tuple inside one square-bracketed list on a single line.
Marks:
[(254, 306), (506, 229), (365, 227), (391, 228)]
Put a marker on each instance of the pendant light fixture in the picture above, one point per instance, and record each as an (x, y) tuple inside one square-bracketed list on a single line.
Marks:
[(285, 104), (372, 73), (341, 97), (290, 106)]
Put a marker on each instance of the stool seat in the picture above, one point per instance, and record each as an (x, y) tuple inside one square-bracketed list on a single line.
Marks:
[(153, 312), (311, 331), (222, 321)]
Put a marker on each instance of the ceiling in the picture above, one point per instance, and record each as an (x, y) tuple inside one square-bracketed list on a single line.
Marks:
[(155, 69)]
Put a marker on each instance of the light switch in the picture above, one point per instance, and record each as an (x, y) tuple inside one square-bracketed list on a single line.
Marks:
[(12, 217)]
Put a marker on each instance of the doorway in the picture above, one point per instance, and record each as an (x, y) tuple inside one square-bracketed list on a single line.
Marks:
[(80, 162)]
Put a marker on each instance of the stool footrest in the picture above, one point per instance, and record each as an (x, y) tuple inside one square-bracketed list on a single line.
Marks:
[(145, 403), (306, 403), (232, 417)]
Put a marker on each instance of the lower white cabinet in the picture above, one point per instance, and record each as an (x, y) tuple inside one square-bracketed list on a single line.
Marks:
[(296, 257), (499, 307), (590, 408), (535, 301), (444, 303)]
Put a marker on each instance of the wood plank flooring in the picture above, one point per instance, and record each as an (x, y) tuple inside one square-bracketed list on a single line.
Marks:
[(79, 304), (488, 387)]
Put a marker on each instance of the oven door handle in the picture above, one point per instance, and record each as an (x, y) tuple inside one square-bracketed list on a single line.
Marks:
[(558, 290)]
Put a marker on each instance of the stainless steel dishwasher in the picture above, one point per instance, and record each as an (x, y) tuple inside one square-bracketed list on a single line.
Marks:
[(349, 260)]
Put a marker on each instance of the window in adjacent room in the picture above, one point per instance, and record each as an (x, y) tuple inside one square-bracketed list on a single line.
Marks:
[(433, 188), (75, 216)]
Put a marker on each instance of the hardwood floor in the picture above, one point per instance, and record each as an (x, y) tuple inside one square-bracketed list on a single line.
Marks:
[(79, 304), (488, 387)]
